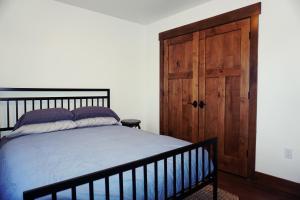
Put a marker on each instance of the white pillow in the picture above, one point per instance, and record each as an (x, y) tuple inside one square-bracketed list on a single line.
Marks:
[(96, 121), (43, 128)]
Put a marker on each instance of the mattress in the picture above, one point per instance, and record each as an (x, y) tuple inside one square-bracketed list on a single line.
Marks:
[(36, 160)]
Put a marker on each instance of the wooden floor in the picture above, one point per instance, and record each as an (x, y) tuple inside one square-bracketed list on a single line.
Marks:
[(247, 190)]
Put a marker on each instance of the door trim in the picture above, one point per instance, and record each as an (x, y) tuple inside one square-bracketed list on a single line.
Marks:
[(252, 12), (232, 16)]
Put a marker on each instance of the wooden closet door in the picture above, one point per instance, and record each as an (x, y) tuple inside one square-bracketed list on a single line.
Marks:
[(224, 86), (181, 87)]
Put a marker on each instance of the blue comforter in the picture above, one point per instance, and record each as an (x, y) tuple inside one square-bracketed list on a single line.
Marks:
[(36, 160)]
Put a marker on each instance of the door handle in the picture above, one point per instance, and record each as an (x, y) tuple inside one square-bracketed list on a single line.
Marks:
[(201, 104), (194, 104)]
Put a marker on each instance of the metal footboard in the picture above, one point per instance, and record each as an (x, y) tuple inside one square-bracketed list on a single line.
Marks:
[(209, 146)]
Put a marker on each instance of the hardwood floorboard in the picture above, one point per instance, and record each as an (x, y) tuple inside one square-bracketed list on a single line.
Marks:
[(247, 190)]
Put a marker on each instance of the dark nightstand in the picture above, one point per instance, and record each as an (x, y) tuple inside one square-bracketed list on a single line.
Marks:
[(132, 123)]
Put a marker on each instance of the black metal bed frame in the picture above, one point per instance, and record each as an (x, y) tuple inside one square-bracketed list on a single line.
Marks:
[(13, 103), (199, 148)]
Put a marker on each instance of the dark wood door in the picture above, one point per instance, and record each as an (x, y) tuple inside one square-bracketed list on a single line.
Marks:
[(227, 83), (224, 87), (180, 87)]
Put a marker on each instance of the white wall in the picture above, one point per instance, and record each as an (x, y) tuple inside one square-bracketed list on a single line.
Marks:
[(51, 44), (278, 81)]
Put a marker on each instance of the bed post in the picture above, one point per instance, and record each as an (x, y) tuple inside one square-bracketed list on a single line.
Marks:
[(108, 98), (215, 179)]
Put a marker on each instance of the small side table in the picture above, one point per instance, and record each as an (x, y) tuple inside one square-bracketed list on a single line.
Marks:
[(132, 123)]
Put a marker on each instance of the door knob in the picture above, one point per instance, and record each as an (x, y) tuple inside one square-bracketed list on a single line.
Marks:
[(201, 104), (194, 104)]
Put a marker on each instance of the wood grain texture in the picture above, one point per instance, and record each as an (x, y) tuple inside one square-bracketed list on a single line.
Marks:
[(195, 86), (181, 39), (181, 87), (232, 116), (175, 108), (253, 93), (244, 90), (212, 122), (227, 84), (181, 75), (223, 72)]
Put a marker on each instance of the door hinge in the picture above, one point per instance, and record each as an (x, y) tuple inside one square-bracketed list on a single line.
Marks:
[(249, 35), (248, 95)]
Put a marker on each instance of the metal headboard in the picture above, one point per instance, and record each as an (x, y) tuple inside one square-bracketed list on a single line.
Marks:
[(15, 107)]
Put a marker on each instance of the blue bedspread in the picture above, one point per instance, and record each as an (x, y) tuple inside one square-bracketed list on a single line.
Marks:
[(40, 159)]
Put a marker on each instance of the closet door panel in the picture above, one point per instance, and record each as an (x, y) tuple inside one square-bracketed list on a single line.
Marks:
[(212, 111), (225, 59), (232, 116), (180, 111), (181, 87), (223, 50), (175, 108)]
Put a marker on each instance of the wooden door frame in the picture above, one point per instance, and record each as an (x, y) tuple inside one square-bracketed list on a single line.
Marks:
[(252, 12)]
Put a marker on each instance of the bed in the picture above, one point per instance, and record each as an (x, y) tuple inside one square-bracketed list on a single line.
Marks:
[(103, 162)]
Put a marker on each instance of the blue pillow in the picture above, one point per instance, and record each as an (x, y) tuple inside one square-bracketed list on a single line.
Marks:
[(44, 116), (92, 112)]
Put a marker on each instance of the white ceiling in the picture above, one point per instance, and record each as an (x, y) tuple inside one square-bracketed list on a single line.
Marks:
[(140, 11)]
